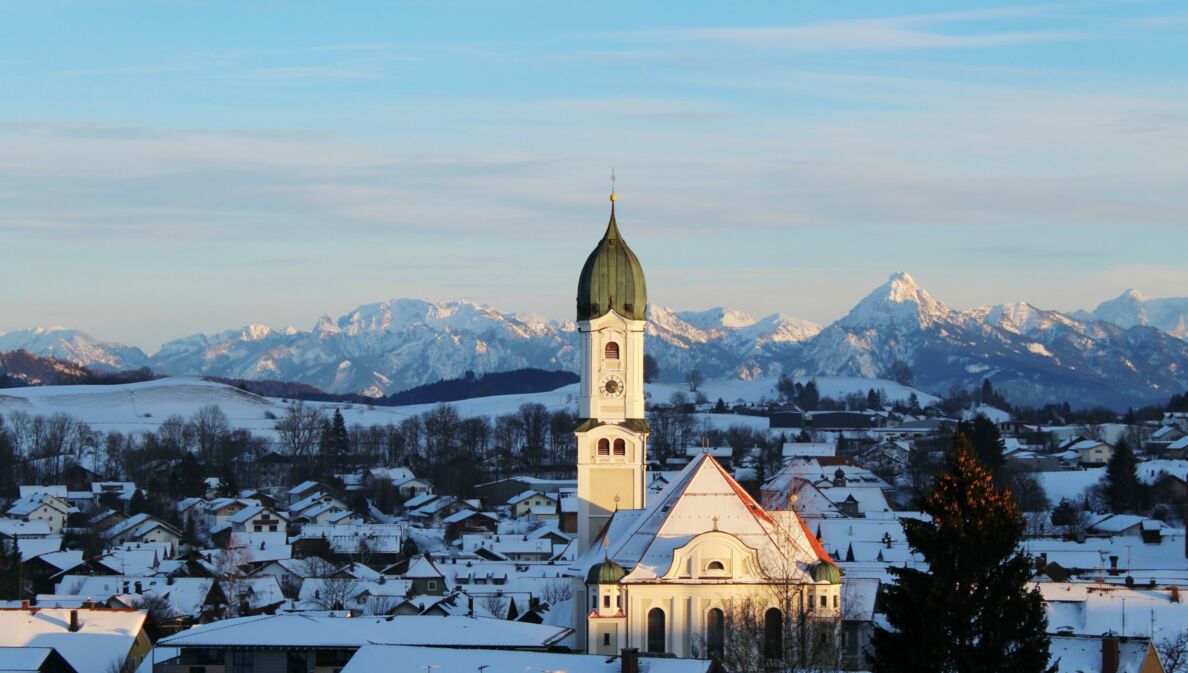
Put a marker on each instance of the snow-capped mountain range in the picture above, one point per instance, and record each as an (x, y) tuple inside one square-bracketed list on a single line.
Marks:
[(1131, 350)]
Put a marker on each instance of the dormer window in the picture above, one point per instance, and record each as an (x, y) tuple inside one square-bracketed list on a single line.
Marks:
[(612, 351)]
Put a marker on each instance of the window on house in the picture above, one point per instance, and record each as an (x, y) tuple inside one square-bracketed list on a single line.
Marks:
[(606, 601), (604, 447), (824, 601), (432, 585), (242, 661), (606, 639), (620, 447), (612, 351)]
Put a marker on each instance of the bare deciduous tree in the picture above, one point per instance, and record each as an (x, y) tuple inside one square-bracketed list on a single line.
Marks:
[(1173, 650), (300, 429)]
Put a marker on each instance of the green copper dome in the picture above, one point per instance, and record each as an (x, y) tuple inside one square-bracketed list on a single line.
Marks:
[(607, 572), (612, 279), (827, 572)]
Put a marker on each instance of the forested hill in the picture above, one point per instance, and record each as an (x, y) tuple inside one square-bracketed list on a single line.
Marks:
[(519, 381)]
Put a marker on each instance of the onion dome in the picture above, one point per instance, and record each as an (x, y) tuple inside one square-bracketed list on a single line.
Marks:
[(607, 572), (612, 279), (827, 572)]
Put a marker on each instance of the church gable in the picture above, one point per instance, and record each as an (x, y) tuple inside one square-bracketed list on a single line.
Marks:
[(715, 557), (702, 499)]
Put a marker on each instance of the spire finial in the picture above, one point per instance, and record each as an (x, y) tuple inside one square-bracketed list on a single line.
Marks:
[(613, 198)]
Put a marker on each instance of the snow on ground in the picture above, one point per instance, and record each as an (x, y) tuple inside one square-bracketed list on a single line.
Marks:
[(1069, 484), (139, 407)]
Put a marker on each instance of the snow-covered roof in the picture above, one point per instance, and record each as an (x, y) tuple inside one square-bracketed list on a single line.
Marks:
[(245, 514), (1089, 609), (1082, 654), (417, 501), (62, 560), (56, 490), (422, 568), (38, 546), (380, 657), (21, 659), (31, 503), (806, 449), (525, 495), (186, 595), (104, 635), (16, 527), (301, 630)]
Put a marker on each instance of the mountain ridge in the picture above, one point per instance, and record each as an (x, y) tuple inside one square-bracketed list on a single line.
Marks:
[(383, 347)]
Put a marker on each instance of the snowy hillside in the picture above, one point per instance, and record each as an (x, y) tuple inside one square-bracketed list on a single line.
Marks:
[(137, 407)]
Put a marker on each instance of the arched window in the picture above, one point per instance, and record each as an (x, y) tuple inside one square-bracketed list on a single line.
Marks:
[(656, 631), (604, 447), (715, 633), (773, 634), (715, 565), (620, 447), (612, 351)]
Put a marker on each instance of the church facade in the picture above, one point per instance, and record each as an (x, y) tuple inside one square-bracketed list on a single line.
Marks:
[(702, 570)]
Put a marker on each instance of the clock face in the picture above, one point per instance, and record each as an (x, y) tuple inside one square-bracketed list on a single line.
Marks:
[(612, 386)]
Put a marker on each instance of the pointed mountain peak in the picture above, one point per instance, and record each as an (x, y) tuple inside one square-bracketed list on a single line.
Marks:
[(899, 302), (1134, 295)]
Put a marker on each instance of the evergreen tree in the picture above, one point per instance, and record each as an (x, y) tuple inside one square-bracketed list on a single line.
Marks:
[(986, 441), (971, 612), (1120, 485), (651, 368), (137, 505), (810, 397)]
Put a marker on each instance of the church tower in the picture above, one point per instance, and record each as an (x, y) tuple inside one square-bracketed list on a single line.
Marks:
[(612, 304)]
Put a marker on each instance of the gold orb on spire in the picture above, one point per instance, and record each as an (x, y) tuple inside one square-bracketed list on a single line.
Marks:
[(613, 197)]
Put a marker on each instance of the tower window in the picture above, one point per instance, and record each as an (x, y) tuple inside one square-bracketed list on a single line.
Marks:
[(604, 447), (620, 447), (612, 351), (715, 565)]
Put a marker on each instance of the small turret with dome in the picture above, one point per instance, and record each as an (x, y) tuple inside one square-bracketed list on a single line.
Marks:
[(612, 279), (607, 572)]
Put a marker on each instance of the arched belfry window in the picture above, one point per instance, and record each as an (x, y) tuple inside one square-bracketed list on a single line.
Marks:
[(715, 632), (656, 631), (612, 350), (604, 447), (773, 634), (715, 565), (620, 447)]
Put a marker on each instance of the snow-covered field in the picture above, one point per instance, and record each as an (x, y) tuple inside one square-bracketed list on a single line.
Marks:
[(137, 407)]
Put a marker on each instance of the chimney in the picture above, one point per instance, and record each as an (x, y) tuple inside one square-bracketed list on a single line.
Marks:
[(1109, 654), (629, 660), (74, 621)]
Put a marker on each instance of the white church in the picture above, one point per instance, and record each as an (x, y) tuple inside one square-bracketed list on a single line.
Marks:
[(702, 566)]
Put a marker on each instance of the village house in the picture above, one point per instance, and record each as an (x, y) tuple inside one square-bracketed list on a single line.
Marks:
[(90, 640)]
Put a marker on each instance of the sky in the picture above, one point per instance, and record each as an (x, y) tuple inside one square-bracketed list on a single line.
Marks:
[(169, 168)]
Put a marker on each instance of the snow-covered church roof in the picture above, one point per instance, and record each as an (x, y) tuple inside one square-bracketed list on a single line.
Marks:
[(702, 498)]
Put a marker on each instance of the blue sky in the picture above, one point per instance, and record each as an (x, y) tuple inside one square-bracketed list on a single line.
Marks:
[(168, 168)]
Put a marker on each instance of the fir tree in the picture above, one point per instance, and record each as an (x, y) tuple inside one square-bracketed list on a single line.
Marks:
[(971, 612), (1120, 485), (985, 439)]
